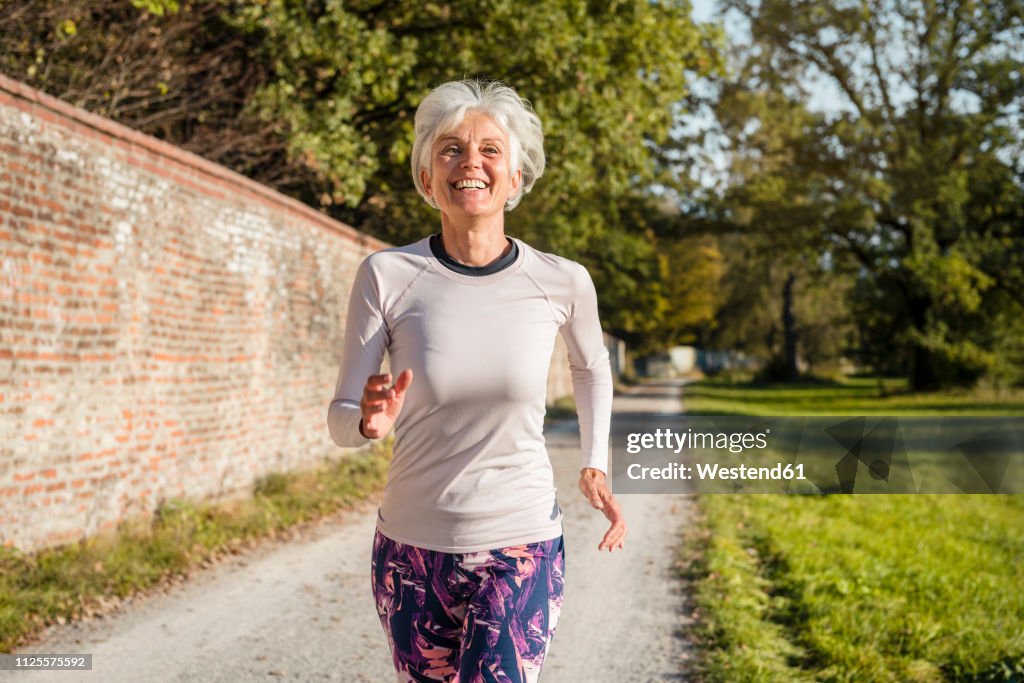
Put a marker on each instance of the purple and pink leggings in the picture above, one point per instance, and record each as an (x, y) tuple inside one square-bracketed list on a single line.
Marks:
[(483, 617)]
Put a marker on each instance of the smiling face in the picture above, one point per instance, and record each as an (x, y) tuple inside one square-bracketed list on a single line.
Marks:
[(469, 169)]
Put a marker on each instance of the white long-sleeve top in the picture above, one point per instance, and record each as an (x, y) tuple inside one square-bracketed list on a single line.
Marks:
[(470, 471)]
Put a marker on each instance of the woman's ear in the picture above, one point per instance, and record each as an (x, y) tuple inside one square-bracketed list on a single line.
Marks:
[(425, 181)]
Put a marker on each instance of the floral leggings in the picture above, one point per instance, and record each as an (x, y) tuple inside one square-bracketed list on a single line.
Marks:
[(482, 617)]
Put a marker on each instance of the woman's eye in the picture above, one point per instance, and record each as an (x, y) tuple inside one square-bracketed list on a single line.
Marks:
[(492, 150), (450, 149)]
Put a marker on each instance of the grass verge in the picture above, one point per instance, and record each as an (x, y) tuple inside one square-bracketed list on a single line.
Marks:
[(861, 588), (916, 588), (83, 579), (860, 396), (563, 408)]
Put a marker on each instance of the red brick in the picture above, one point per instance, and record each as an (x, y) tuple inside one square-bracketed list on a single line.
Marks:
[(172, 329)]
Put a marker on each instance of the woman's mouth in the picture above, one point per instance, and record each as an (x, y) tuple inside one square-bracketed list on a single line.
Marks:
[(469, 185)]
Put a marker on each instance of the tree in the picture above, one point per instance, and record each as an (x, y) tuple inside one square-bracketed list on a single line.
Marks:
[(179, 74), (917, 175), (316, 99), (790, 314), (771, 218), (659, 283)]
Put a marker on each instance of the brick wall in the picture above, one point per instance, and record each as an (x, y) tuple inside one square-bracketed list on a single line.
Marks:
[(167, 327)]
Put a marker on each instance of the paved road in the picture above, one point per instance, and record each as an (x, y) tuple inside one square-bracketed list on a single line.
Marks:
[(301, 610)]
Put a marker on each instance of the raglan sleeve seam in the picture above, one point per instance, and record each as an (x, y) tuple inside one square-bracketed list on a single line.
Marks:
[(590, 369), (366, 339)]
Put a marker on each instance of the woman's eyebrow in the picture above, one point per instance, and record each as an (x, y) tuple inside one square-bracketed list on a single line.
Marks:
[(458, 139)]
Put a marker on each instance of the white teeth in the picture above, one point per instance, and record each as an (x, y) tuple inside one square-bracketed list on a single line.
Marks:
[(463, 184)]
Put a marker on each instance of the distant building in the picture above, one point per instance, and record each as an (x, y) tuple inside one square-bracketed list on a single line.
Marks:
[(682, 360)]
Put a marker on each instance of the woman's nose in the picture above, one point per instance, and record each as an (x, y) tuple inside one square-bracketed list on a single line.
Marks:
[(471, 159)]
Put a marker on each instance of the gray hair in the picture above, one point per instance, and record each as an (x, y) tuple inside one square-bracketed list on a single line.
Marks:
[(444, 108)]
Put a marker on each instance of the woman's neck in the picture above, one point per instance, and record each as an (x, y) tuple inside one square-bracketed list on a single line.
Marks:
[(477, 244)]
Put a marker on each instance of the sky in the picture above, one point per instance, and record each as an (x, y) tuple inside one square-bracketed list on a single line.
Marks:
[(703, 10), (824, 96)]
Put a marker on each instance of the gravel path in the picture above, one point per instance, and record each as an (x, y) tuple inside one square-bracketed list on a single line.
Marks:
[(302, 610)]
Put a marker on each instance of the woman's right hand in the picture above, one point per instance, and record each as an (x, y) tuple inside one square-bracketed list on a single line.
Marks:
[(381, 403)]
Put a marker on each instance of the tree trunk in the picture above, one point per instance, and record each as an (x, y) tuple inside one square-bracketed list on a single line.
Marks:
[(789, 333), (924, 375)]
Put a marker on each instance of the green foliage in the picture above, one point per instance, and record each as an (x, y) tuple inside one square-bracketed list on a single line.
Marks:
[(333, 73), (657, 284), (158, 7), (911, 179), (316, 99), (748, 315), (783, 298), (604, 79)]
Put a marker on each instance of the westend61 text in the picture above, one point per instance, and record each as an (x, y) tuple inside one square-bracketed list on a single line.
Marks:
[(705, 471)]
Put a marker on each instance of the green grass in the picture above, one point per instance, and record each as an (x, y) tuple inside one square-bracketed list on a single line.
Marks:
[(856, 588), (860, 396), (66, 583), (563, 408)]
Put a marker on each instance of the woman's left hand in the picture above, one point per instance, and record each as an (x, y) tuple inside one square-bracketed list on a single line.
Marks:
[(595, 488)]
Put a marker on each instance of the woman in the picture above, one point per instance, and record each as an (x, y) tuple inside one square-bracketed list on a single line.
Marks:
[(468, 556)]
